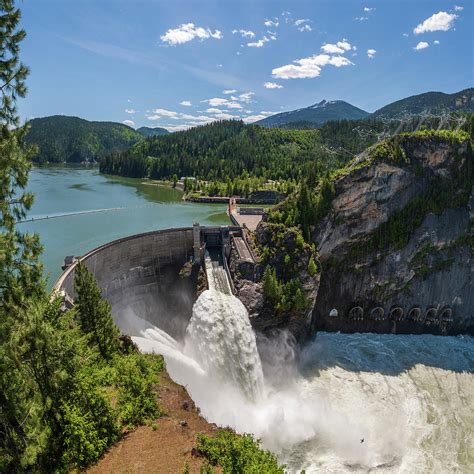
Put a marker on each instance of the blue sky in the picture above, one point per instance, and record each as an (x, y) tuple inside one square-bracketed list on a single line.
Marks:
[(181, 63)]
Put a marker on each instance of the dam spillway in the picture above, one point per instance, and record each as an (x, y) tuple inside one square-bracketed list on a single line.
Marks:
[(152, 274)]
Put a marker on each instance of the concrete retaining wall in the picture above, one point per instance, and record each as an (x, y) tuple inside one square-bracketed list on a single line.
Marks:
[(140, 277)]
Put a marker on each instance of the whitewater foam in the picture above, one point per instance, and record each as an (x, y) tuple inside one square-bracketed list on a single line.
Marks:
[(348, 403)]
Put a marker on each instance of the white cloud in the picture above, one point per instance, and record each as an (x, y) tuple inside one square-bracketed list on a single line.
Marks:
[(130, 123), (185, 103), (371, 53), (246, 97), (367, 9), (309, 67), (221, 102), (196, 118), (177, 128), (229, 91), (339, 48), (405, 35), (225, 116), (166, 113), (216, 101), (261, 42), (421, 45), (301, 21), (440, 21), (272, 85), (457, 8), (303, 25), (213, 110), (273, 22), (233, 105), (187, 32), (361, 18), (244, 33), (256, 117), (131, 111), (435, 42)]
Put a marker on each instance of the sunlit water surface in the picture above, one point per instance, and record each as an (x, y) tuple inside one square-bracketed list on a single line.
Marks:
[(128, 206)]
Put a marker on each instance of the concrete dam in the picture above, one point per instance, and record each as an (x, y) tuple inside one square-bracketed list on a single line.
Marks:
[(152, 274)]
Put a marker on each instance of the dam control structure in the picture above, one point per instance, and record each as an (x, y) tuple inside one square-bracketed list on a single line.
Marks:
[(155, 275)]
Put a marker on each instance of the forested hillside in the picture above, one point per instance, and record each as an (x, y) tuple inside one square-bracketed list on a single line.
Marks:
[(224, 150), (429, 103), (152, 131), (62, 139)]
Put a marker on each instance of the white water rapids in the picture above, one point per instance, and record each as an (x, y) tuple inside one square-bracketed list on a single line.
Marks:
[(357, 403)]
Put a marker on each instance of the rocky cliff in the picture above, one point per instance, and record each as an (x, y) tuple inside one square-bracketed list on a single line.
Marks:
[(283, 250), (396, 245)]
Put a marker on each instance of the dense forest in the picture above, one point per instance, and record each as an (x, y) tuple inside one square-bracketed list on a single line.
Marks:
[(231, 158), (225, 150), (62, 139), (152, 131), (429, 103)]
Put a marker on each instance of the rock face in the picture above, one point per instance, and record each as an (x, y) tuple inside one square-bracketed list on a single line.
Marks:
[(396, 246), (263, 316)]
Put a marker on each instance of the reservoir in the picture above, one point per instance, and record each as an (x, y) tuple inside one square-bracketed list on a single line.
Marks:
[(69, 196)]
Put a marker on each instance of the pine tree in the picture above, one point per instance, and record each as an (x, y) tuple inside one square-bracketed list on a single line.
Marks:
[(21, 429), (312, 268), (94, 313), (20, 271), (271, 285), (305, 208)]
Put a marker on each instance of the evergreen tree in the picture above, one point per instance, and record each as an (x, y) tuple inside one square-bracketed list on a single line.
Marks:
[(271, 286), (19, 268), (305, 208), (312, 268), (94, 313), (21, 429)]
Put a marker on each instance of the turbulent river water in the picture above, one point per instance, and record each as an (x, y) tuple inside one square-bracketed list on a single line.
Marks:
[(345, 403), (356, 403)]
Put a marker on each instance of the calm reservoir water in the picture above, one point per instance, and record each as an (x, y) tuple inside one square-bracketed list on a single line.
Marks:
[(128, 206)]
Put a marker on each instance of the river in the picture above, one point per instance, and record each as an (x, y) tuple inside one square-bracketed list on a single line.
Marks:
[(345, 403)]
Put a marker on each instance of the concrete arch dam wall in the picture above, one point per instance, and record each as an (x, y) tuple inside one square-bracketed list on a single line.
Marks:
[(144, 275)]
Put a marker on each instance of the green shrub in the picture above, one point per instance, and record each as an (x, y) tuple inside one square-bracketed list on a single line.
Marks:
[(136, 381), (238, 454)]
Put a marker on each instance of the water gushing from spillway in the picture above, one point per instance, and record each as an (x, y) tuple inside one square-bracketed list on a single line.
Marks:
[(358, 403), (220, 338)]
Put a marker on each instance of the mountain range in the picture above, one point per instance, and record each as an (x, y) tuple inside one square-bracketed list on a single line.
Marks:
[(317, 114), (435, 103), (61, 138)]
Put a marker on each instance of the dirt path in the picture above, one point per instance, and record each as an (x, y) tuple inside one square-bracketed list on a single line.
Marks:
[(165, 449)]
